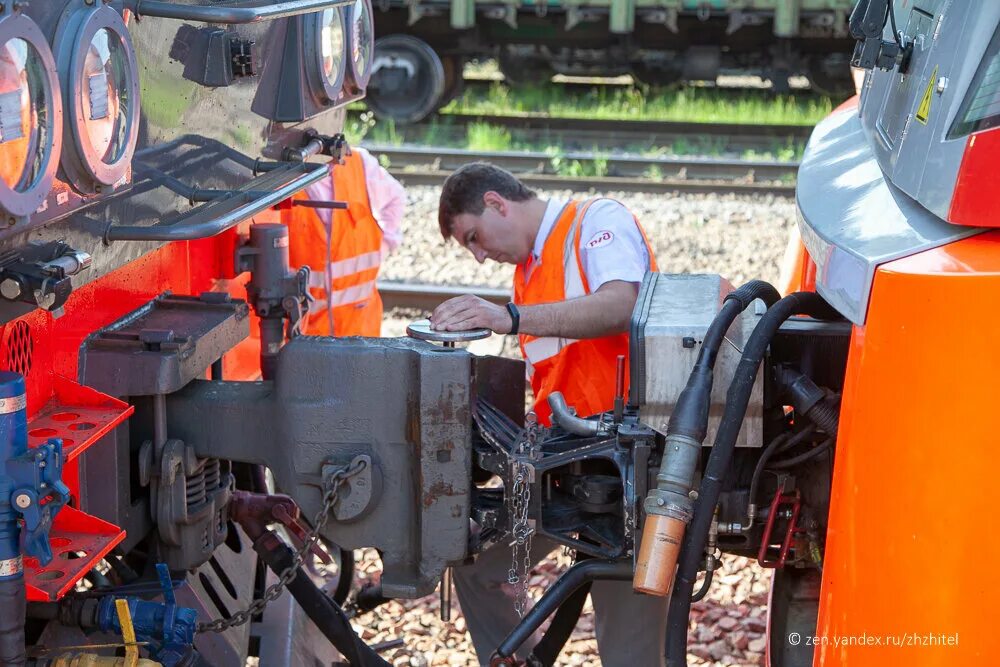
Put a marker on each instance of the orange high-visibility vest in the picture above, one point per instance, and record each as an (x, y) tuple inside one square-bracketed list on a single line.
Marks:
[(343, 276), (583, 370)]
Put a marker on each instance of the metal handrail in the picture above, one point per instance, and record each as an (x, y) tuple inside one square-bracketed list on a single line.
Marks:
[(251, 11), (207, 220)]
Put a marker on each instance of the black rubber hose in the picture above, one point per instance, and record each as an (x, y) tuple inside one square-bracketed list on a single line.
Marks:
[(826, 415), (690, 415), (551, 644), (558, 593), (321, 610), (737, 400), (705, 586), (13, 602), (793, 461), (781, 442)]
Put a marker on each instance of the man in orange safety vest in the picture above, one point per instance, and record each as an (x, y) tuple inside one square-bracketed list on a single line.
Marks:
[(345, 247), (579, 266)]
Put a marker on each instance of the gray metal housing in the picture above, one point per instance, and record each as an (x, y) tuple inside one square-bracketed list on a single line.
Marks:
[(402, 403), (876, 184), (669, 322), (949, 39)]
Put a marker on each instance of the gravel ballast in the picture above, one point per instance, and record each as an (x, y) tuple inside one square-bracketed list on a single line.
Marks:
[(739, 236)]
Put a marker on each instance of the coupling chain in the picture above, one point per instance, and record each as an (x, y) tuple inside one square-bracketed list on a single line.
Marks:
[(521, 529), (331, 493)]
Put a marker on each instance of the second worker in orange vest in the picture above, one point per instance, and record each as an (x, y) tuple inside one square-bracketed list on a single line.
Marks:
[(345, 247)]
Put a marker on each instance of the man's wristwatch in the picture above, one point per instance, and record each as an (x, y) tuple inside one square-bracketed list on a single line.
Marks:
[(515, 317)]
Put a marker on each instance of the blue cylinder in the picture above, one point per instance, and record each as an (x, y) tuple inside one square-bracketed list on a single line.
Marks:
[(13, 443)]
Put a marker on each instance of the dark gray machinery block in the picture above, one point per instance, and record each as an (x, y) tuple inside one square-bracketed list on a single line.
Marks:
[(402, 403)]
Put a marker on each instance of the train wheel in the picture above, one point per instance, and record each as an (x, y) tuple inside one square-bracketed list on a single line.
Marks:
[(408, 79), (522, 70), (656, 76), (830, 77), (336, 577)]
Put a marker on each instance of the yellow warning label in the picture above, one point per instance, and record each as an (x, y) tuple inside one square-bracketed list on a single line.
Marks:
[(924, 112)]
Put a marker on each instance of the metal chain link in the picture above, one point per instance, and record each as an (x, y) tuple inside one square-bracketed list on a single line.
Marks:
[(331, 493), (520, 527)]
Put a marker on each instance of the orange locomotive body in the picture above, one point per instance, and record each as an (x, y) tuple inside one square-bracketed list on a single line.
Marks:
[(908, 170)]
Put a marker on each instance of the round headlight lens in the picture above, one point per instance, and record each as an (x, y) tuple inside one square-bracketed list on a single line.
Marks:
[(332, 40), (24, 122), (362, 41), (105, 96)]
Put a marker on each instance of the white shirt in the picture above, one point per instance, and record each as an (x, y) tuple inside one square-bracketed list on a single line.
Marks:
[(611, 245), (386, 197)]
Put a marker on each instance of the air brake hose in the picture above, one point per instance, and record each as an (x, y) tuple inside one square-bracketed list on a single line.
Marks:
[(668, 507), (326, 614), (737, 400)]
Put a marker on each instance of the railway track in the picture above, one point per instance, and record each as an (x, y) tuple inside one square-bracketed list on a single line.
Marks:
[(427, 297), (430, 166)]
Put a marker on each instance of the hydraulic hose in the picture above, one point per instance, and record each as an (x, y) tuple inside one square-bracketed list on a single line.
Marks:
[(799, 459), (737, 400), (321, 610), (571, 580), (668, 506)]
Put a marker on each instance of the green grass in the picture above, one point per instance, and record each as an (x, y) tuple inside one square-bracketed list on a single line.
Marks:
[(488, 138), (706, 105)]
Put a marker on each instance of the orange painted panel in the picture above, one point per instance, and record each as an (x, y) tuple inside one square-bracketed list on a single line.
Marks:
[(915, 477)]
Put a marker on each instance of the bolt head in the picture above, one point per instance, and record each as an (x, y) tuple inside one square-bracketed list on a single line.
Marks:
[(660, 502), (10, 289), (23, 501)]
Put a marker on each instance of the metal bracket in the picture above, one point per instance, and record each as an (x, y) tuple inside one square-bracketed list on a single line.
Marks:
[(358, 491), (37, 475)]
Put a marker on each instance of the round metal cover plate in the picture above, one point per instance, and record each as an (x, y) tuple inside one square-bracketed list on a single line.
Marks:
[(422, 329)]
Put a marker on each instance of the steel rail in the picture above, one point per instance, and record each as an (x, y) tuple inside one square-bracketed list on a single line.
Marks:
[(428, 297)]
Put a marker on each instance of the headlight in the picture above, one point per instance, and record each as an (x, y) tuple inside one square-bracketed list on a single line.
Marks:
[(325, 30), (30, 116), (100, 82), (361, 44)]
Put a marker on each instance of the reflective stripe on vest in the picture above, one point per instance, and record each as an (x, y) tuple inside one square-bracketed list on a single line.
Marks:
[(344, 297), (540, 349), (346, 267)]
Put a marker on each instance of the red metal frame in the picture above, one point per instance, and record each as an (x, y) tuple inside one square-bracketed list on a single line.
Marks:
[(781, 499), (60, 407), (975, 200)]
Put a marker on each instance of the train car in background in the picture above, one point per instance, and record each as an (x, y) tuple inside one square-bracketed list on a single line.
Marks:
[(422, 45)]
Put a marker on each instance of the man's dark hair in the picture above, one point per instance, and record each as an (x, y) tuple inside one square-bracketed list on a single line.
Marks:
[(463, 191)]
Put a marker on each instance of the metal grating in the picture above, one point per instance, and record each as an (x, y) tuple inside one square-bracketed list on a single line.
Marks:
[(16, 348)]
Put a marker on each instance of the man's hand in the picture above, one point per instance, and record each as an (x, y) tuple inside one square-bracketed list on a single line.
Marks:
[(470, 312)]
